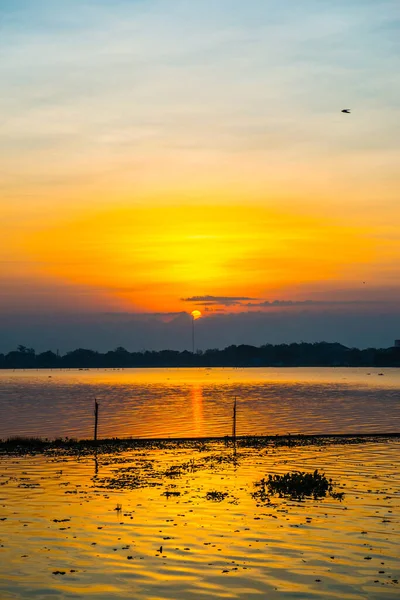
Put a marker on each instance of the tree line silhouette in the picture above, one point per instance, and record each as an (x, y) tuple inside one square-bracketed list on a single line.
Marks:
[(319, 354)]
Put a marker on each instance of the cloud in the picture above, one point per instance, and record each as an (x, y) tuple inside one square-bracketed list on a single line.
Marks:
[(286, 303), (247, 302), (164, 317), (218, 300)]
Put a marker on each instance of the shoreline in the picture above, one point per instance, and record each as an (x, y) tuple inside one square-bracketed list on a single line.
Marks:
[(20, 445)]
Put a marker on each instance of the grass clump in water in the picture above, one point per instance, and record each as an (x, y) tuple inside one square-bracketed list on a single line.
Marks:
[(296, 485)]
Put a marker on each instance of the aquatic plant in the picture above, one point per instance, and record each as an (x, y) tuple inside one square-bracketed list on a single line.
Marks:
[(277, 441), (296, 485), (216, 496), (169, 493), (18, 440), (72, 447)]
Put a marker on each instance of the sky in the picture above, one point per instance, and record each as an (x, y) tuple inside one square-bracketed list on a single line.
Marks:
[(164, 156)]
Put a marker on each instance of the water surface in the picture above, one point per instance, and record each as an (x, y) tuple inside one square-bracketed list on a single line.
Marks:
[(62, 539), (198, 402)]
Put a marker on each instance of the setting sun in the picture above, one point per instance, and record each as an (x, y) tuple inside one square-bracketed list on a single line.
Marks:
[(196, 314)]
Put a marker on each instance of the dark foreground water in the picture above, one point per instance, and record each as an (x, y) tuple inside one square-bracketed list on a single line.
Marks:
[(198, 402)]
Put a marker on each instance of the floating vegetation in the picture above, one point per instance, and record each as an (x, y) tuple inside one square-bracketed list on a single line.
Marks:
[(169, 493), (219, 459), (295, 485), (279, 441), (60, 520), (216, 496), (175, 470), (145, 473)]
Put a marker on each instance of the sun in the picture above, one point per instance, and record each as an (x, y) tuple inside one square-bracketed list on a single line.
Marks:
[(196, 314)]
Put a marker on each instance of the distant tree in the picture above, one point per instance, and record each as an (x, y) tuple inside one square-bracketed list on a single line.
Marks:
[(82, 358), (47, 360), (120, 357), (295, 354), (25, 350), (22, 358)]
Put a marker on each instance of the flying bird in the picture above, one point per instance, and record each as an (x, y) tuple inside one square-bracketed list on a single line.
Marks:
[(346, 110)]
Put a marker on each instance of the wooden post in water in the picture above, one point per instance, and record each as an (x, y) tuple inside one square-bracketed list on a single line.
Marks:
[(234, 422), (96, 416)]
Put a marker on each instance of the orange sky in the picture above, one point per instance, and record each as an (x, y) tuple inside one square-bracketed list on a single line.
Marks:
[(152, 257), (142, 166)]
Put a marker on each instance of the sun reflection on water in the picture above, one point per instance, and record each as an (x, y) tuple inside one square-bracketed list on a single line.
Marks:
[(197, 410)]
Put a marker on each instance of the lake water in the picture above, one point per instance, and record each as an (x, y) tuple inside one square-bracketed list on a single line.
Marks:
[(198, 402), (61, 537)]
